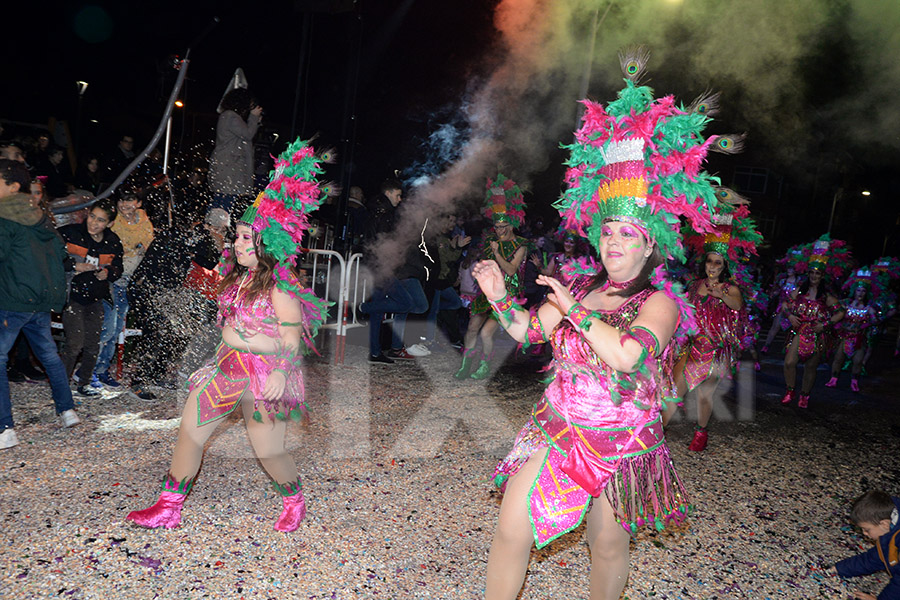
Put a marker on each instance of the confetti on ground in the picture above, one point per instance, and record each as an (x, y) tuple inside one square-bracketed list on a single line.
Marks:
[(396, 471)]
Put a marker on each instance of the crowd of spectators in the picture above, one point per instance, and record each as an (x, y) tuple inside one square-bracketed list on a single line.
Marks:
[(144, 260)]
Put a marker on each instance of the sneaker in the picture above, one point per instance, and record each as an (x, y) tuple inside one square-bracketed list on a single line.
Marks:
[(87, 391), (95, 382), (107, 380), (381, 359), (8, 438), (832, 382), (69, 418), (698, 444), (167, 384), (400, 354), (14, 375), (418, 350), (143, 393)]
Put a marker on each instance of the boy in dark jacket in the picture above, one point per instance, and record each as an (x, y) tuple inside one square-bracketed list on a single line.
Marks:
[(32, 283), (878, 515), (96, 254)]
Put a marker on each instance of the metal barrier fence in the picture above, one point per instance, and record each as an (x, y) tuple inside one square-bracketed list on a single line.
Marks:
[(351, 289)]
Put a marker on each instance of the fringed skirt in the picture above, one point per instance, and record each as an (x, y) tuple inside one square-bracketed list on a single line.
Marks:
[(225, 378), (636, 474)]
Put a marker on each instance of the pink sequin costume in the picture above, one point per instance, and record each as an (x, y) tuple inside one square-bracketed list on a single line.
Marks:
[(810, 313), (784, 290), (852, 329), (603, 427), (716, 347), (226, 377)]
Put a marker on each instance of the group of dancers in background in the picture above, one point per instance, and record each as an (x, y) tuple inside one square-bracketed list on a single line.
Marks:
[(628, 340)]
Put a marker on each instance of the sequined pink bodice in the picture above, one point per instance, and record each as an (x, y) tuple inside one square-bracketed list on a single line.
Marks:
[(581, 389), (247, 317), (812, 311), (715, 319)]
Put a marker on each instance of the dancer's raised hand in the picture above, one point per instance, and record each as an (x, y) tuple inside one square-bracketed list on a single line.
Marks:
[(490, 278)]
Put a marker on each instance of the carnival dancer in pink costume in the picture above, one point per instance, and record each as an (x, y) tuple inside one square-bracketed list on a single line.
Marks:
[(504, 205), (713, 353), (267, 320), (784, 286), (853, 329), (594, 447), (811, 309)]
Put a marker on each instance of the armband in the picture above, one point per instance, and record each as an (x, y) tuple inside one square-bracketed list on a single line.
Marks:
[(505, 307), (580, 317), (642, 336), (535, 333)]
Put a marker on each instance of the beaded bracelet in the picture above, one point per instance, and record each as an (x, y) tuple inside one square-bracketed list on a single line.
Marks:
[(580, 317)]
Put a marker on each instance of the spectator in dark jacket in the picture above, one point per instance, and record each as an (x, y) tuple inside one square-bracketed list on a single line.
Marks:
[(96, 254), (32, 283), (399, 294), (878, 515)]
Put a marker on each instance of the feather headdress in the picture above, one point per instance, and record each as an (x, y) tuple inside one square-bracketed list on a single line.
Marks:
[(280, 215), (639, 160), (504, 202)]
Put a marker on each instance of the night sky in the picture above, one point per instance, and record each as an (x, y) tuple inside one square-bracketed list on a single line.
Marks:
[(809, 83)]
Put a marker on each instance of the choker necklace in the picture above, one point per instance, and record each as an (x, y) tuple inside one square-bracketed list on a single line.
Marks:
[(615, 284)]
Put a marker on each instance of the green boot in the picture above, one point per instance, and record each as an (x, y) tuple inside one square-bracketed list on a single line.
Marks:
[(483, 371), (470, 357)]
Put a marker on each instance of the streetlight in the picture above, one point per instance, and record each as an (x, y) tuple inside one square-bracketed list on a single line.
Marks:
[(82, 88), (837, 196)]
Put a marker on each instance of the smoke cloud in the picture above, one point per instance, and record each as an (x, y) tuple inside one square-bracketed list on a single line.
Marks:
[(770, 58)]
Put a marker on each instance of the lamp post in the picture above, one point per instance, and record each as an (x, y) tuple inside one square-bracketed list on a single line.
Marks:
[(82, 88)]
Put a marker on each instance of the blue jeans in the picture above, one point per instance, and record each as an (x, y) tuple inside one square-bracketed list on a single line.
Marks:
[(113, 324), (445, 299), (36, 327), (400, 298)]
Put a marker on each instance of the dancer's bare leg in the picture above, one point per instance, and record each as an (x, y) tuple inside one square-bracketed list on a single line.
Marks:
[(791, 358), (610, 552), (475, 323), (705, 393), (487, 337), (809, 373), (511, 547), (838, 361), (192, 438), (267, 438)]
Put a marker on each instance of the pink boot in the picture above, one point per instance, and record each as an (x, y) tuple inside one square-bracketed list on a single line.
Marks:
[(294, 507), (698, 444), (803, 402), (788, 396), (854, 385), (167, 510), (832, 382)]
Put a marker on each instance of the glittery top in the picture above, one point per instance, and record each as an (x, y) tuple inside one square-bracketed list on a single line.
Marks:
[(855, 320), (247, 317), (590, 392), (715, 319), (810, 310)]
